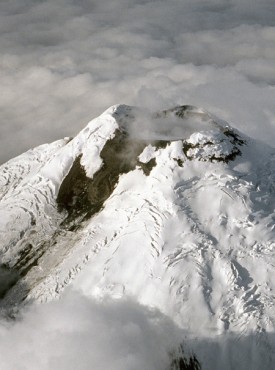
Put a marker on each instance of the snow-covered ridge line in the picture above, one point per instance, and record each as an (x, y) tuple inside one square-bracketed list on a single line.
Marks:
[(28, 205)]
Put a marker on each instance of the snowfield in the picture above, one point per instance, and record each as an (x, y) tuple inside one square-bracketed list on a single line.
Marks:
[(172, 210)]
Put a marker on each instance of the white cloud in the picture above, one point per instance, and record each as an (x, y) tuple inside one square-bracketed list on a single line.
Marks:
[(80, 333), (64, 62)]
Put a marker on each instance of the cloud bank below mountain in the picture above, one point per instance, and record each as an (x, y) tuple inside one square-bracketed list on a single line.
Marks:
[(79, 333), (64, 62)]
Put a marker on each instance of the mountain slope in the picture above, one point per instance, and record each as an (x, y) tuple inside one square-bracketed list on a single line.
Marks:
[(175, 209)]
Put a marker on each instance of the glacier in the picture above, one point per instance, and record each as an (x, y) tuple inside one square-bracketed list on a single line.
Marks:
[(173, 209)]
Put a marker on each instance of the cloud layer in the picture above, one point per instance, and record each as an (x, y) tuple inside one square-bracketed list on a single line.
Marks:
[(64, 62), (80, 333)]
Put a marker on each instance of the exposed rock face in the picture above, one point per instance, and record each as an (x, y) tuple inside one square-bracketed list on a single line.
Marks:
[(224, 147), (81, 195)]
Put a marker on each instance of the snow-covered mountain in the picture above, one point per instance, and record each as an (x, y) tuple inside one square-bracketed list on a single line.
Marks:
[(175, 209)]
